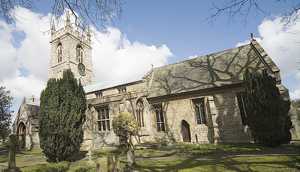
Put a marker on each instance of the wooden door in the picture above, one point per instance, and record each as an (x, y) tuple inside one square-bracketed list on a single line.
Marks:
[(185, 131), (21, 132)]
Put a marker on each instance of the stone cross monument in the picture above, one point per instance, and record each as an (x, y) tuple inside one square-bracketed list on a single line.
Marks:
[(12, 142)]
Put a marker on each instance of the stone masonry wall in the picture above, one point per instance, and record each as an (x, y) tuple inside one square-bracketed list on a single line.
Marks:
[(223, 119), (228, 120)]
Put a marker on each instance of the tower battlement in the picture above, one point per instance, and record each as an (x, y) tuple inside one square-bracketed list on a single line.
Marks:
[(72, 29), (75, 31)]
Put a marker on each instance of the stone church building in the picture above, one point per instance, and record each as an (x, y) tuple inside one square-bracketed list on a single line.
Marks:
[(197, 100)]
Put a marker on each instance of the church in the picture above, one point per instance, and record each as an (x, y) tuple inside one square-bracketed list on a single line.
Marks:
[(195, 101)]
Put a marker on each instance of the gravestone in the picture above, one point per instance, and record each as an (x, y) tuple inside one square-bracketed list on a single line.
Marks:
[(12, 144), (113, 163), (110, 163), (90, 155), (130, 157), (98, 169)]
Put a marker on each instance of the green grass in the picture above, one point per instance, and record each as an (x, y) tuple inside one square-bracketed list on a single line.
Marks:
[(241, 157), (264, 163), (184, 157)]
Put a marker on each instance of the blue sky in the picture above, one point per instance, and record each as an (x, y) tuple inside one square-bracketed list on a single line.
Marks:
[(183, 26), (150, 32)]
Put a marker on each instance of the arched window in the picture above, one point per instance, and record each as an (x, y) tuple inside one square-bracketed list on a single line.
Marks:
[(140, 113), (59, 53), (160, 118), (200, 110), (79, 53)]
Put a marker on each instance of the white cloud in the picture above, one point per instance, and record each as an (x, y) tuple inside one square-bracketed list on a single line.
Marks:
[(295, 94), (7, 52), (282, 43), (31, 55), (21, 86), (116, 59), (192, 57), (34, 51)]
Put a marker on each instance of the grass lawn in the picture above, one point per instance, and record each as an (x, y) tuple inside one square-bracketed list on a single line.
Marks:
[(187, 158), (28, 160), (220, 158)]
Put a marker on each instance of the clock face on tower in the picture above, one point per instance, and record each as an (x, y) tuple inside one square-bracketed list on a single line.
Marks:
[(81, 69)]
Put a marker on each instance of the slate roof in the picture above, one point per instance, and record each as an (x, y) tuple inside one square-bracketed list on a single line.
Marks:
[(213, 70), (103, 86), (203, 72), (33, 110)]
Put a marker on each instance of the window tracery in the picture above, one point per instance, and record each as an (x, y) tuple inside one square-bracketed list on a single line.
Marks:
[(140, 113), (79, 53), (59, 53)]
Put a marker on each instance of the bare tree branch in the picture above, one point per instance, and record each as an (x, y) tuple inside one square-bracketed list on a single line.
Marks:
[(96, 12), (242, 9)]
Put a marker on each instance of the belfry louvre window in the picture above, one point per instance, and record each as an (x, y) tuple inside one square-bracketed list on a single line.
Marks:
[(241, 103), (200, 110), (103, 119), (160, 119), (59, 52), (79, 53), (140, 113)]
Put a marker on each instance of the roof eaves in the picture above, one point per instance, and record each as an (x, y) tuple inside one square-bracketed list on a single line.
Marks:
[(115, 86)]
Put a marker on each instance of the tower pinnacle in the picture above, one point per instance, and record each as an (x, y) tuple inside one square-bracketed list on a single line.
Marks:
[(52, 28), (68, 21)]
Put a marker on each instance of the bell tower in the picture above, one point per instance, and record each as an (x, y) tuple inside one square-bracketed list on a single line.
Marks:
[(71, 49)]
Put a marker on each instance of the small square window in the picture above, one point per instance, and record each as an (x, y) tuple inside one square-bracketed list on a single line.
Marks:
[(99, 94), (122, 89)]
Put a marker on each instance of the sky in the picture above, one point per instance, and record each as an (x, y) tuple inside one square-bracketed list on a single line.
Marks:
[(147, 32)]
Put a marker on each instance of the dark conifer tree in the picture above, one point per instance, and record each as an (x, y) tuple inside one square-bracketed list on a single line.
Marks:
[(5, 112), (62, 115), (267, 111)]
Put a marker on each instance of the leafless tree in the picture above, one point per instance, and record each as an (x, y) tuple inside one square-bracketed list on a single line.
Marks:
[(97, 12), (242, 9)]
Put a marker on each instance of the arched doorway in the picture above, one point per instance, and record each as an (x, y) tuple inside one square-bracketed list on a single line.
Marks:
[(185, 131), (21, 132)]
